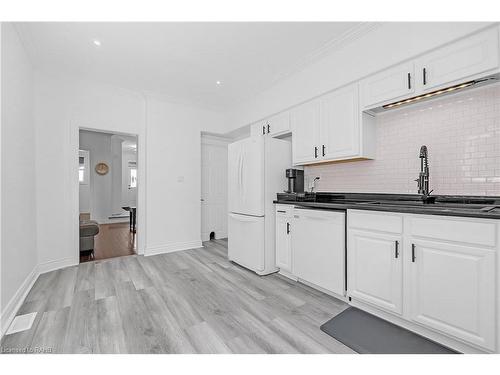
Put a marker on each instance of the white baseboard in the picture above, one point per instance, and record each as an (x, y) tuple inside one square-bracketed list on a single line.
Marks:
[(56, 264), (220, 236), (113, 221), (12, 307), (172, 247), (10, 310)]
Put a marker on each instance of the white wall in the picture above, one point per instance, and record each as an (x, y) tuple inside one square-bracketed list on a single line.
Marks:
[(383, 46), (127, 197), (18, 241), (168, 147), (62, 105), (116, 175), (173, 174)]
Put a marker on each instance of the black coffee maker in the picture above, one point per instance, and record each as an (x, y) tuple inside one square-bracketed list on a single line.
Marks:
[(295, 180)]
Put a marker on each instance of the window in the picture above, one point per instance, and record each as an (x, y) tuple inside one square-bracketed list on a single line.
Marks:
[(83, 167), (133, 178)]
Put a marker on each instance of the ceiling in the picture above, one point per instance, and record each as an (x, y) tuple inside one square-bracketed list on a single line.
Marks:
[(183, 61)]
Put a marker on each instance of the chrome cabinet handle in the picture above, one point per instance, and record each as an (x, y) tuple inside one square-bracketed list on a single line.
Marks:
[(413, 257), (396, 249), (424, 76), (315, 152), (409, 81), (287, 228)]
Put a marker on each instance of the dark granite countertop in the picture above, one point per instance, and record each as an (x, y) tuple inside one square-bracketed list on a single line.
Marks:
[(487, 207)]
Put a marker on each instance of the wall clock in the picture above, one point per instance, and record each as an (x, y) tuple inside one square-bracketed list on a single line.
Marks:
[(101, 168)]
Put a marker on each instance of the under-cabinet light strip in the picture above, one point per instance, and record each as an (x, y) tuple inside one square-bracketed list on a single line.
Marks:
[(430, 94)]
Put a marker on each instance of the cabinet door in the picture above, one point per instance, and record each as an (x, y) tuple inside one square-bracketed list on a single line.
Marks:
[(388, 86), (459, 61), (305, 129), (258, 129), (339, 124), (374, 269), (318, 244), (246, 241), (452, 290), (278, 125), (283, 249)]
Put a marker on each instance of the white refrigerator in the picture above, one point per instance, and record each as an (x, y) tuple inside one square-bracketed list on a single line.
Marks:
[(256, 172)]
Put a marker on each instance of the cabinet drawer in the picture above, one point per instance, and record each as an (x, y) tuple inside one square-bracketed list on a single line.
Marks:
[(376, 221), (453, 229), (284, 209)]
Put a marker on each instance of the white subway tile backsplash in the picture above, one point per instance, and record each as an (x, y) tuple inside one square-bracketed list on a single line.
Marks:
[(462, 133)]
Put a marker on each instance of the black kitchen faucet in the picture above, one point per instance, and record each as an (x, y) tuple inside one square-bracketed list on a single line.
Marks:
[(423, 177)]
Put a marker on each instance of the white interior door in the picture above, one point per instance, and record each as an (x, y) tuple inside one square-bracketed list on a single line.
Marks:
[(213, 189), (246, 241)]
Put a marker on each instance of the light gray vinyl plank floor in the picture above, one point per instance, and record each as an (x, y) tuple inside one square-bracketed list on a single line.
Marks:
[(192, 301)]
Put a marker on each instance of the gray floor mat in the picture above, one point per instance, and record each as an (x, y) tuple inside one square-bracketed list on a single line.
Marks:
[(368, 334)]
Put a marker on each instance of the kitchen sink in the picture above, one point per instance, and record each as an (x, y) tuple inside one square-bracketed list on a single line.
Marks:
[(438, 206)]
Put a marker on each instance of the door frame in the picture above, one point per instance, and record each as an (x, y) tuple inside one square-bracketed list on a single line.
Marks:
[(75, 186)]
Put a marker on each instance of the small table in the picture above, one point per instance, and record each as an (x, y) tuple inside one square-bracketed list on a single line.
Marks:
[(133, 215)]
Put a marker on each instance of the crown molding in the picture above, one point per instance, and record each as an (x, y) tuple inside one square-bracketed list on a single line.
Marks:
[(333, 45)]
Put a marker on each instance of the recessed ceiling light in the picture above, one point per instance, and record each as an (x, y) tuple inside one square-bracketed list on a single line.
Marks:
[(218, 82), (97, 42)]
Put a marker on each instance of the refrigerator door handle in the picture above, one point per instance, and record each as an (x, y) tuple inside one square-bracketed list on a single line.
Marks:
[(239, 173), (242, 175), (243, 217)]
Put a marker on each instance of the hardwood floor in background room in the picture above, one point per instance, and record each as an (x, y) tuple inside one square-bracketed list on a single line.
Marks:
[(192, 301), (113, 240)]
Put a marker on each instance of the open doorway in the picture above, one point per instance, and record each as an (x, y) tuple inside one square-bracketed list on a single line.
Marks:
[(108, 179)]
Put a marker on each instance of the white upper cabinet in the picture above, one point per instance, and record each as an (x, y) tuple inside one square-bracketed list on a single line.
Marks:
[(339, 124), (272, 127), (331, 128), (389, 85), (278, 125), (466, 59), (305, 132), (470, 58)]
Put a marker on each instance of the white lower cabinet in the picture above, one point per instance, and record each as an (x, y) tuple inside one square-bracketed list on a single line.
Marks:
[(441, 277), (452, 290), (283, 239), (375, 269), (318, 243)]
